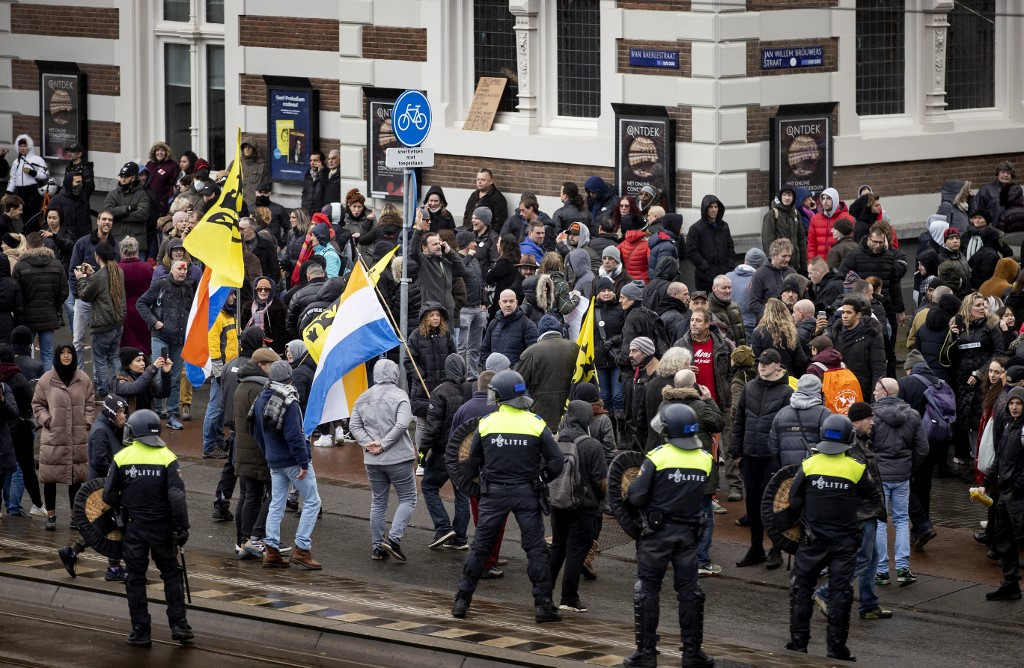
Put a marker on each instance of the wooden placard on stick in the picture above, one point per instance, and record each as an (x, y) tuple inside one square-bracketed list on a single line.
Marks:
[(485, 104)]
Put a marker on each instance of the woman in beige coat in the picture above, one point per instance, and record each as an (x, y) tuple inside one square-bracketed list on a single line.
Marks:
[(64, 406)]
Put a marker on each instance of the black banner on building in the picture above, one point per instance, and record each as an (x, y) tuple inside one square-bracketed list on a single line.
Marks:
[(293, 132), (62, 103), (801, 148), (645, 150)]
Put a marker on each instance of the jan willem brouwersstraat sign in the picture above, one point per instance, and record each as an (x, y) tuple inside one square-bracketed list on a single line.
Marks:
[(792, 57)]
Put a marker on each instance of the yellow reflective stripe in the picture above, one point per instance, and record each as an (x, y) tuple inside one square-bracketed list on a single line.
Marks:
[(508, 420), (671, 457), (837, 466), (140, 454)]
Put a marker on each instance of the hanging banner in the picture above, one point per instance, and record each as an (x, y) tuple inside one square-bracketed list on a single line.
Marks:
[(801, 151), (292, 128), (644, 150), (62, 102)]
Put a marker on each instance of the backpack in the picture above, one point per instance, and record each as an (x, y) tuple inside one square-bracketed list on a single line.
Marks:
[(840, 388), (568, 490), (939, 410), (662, 341)]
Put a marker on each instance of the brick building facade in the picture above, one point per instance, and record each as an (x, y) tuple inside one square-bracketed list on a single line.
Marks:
[(567, 63)]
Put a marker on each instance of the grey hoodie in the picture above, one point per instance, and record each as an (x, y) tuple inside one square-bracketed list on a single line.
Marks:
[(579, 262), (383, 413)]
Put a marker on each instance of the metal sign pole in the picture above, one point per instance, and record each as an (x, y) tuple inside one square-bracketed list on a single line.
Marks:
[(408, 206)]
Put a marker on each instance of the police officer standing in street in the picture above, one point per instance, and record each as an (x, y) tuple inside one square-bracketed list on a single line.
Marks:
[(514, 453), (826, 491), (670, 491), (144, 484)]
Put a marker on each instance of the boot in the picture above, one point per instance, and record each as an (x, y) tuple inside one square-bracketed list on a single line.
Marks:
[(185, 411), (547, 611), (272, 558), (691, 631), (1008, 591), (755, 555), (838, 630), (645, 628), (842, 653), (696, 658), (181, 631), (461, 606), (799, 624), (305, 559), (68, 558), (588, 563), (139, 637), (774, 559)]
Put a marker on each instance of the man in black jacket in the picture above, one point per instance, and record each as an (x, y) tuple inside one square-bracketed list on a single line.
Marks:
[(861, 343), (73, 204), (769, 277), (278, 215), (472, 316), (874, 258), (44, 288), (761, 399), (511, 332), (709, 243), (299, 299), (486, 195), (264, 249), (314, 183)]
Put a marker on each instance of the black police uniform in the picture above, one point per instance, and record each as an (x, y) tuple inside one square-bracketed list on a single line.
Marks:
[(670, 489), (511, 450), (826, 489), (145, 482)]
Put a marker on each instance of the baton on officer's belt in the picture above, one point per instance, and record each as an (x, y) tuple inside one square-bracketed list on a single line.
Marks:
[(541, 488), (184, 574)]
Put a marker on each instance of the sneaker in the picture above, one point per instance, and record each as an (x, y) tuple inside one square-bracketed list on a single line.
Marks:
[(394, 549), (742, 522), (379, 554), (324, 441), (419, 470), (905, 576), (922, 538), (718, 508), (708, 570), (876, 613), (441, 540), (181, 631), (139, 637), (163, 413), (114, 574), (492, 574), (501, 562), (222, 514), (186, 412), (68, 558), (822, 604), (292, 505), (1008, 591), (339, 434), (735, 495), (37, 511), (51, 523), (242, 554), (174, 423), (575, 606), (254, 548), (215, 453), (882, 578), (16, 513), (455, 546)]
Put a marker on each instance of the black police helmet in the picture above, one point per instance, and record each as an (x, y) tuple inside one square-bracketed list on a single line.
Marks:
[(510, 388), (681, 426), (143, 426), (836, 435)]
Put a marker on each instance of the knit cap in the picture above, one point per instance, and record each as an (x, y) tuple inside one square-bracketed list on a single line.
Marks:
[(644, 344), (280, 371)]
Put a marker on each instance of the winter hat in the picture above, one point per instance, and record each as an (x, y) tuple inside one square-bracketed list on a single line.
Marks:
[(984, 213), (263, 355), (743, 356), (632, 291), (859, 410), (496, 362), (951, 232), (322, 232), (604, 283), (1006, 166), (755, 257), (297, 348), (913, 357), (851, 276), (612, 252), (809, 384), (128, 354), (843, 226), (821, 343), (644, 344), (455, 368), (10, 240), (21, 336), (949, 305), (180, 217), (319, 217), (484, 214), (202, 164), (464, 238), (549, 323), (390, 219), (1014, 375), (791, 284), (113, 405), (280, 371), (586, 392)]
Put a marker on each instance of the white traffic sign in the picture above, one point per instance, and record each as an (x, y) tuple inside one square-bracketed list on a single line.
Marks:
[(408, 158)]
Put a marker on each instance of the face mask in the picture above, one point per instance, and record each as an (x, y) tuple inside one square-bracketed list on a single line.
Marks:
[(77, 190), (262, 200), (126, 187)]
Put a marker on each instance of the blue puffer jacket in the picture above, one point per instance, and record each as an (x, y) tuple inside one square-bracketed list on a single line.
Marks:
[(662, 244), (508, 335), (796, 429)]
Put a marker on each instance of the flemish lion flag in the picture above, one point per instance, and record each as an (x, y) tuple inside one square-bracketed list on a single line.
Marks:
[(585, 371), (216, 240)]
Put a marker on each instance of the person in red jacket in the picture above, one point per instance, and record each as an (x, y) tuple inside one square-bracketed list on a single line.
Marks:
[(635, 254), (819, 233)]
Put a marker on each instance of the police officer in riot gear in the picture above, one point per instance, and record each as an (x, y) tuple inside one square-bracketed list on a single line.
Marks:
[(825, 495), (670, 491), (144, 484), (512, 451)]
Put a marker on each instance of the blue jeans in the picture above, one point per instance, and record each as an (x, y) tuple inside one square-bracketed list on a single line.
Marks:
[(14, 489), (382, 477), (279, 481), (213, 432), (865, 570), (174, 350), (46, 349), (69, 314), (105, 362), (897, 500), (472, 323), (435, 475), (704, 546), (611, 388)]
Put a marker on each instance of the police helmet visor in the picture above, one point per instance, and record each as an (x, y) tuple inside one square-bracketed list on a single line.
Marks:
[(833, 448), (151, 439)]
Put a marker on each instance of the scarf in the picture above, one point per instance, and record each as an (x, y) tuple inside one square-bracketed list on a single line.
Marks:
[(259, 313), (281, 396), (8, 369), (304, 254)]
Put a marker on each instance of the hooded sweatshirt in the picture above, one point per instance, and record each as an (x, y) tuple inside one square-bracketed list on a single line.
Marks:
[(383, 413), (579, 264), (38, 172), (819, 231), (590, 453)]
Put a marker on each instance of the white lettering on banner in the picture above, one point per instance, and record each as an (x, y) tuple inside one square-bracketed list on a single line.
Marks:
[(806, 129), (643, 131)]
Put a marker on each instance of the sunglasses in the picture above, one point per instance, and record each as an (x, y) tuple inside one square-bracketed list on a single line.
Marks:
[(262, 289)]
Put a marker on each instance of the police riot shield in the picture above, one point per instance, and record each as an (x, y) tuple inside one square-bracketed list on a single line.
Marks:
[(96, 520), (457, 452), (784, 531), (621, 473)]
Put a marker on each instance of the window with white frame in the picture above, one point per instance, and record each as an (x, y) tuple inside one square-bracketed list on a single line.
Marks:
[(881, 28), (970, 55)]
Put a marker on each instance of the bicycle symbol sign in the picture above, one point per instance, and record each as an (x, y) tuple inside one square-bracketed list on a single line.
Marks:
[(411, 118)]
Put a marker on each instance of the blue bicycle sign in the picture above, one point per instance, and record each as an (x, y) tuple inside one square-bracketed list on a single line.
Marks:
[(411, 118)]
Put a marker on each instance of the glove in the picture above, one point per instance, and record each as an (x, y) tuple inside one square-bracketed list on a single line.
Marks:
[(181, 538)]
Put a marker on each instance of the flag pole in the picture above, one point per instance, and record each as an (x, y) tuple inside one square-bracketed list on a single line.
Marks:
[(391, 320)]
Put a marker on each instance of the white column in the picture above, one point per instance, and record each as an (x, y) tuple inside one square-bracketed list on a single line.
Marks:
[(527, 56), (933, 59)]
